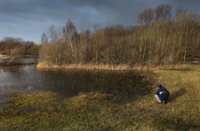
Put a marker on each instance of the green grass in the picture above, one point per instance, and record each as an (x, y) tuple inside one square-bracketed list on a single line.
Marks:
[(97, 111)]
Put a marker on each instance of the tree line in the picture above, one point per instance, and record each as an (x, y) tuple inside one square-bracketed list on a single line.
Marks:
[(161, 37), (18, 47)]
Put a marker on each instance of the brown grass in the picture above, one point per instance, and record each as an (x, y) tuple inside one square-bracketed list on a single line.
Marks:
[(120, 67)]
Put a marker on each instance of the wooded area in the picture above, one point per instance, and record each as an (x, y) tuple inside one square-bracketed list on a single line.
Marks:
[(18, 47), (161, 38)]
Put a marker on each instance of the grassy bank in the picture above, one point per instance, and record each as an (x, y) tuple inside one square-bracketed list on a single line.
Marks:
[(98, 111), (119, 67)]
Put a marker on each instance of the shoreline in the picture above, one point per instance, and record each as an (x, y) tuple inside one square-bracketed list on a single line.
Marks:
[(18, 60), (107, 67)]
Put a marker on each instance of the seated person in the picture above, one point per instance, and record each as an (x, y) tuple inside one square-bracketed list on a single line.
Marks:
[(162, 94)]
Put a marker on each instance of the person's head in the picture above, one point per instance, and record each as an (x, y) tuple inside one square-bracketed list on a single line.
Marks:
[(160, 86)]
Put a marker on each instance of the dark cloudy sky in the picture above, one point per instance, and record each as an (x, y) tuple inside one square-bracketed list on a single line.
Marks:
[(29, 18)]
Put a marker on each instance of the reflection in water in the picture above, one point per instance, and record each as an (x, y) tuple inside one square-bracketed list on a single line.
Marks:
[(70, 83), (18, 79)]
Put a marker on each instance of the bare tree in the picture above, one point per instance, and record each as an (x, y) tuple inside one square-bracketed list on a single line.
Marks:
[(53, 33), (163, 13), (69, 32), (44, 38), (146, 17)]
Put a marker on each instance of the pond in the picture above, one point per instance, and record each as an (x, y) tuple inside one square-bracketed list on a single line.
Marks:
[(121, 85)]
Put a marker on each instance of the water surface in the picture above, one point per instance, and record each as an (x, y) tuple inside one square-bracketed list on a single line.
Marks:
[(16, 79)]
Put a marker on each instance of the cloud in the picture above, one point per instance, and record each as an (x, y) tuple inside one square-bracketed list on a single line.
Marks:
[(29, 18)]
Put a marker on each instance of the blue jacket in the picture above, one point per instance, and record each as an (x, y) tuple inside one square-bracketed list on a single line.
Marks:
[(163, 93)]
